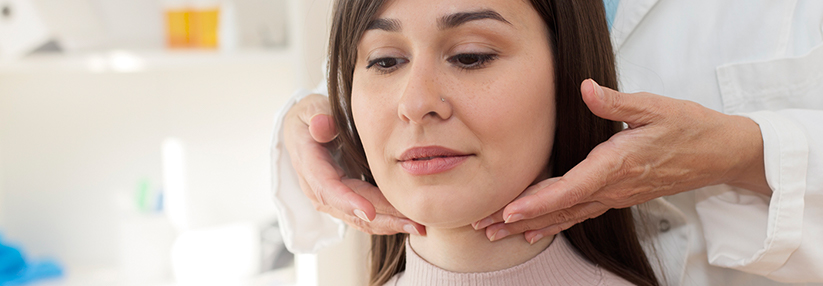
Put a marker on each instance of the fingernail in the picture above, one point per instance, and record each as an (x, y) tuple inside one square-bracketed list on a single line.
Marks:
[(410, 229), (535, 238), (513, 218), (483, 223), (361, 214), (597, 89), (313, 117), (500, 234)]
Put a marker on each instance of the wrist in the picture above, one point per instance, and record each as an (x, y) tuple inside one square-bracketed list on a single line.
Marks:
[(749, 172)]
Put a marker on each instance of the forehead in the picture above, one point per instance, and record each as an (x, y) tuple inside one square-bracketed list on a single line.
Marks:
[(518, 12)]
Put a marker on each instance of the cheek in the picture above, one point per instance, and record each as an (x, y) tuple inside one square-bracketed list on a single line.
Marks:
[(517, 122), (364, 117), (372, 118)]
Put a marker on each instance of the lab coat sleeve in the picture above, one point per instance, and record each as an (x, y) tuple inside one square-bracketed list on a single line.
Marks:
[(304, 229), (777, 237)]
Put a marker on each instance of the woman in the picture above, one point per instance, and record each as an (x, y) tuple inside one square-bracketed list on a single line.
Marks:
[(728, 236), (432, 97)]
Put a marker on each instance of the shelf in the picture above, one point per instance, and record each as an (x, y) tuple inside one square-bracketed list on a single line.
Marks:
[(126, 61)]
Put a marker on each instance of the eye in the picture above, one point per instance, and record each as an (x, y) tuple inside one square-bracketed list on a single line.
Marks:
[(472, 61), (386, 65)]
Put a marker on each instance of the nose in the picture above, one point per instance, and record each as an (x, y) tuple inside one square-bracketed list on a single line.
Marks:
[(423, 100)]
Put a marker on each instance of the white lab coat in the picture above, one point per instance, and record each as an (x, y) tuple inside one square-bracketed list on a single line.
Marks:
[(758, 58)]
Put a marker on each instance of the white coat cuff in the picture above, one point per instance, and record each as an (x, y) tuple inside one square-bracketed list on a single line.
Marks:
[(304, 229), (751, 232)]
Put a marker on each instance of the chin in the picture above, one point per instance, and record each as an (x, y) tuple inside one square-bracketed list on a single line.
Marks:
[(434, 211)]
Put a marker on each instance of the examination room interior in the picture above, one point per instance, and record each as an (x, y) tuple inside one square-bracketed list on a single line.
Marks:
[(135, 142)]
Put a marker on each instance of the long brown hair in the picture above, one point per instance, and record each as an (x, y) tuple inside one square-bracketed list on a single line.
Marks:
[(581, 48)]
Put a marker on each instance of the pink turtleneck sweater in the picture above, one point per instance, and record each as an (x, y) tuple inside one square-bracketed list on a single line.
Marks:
[(559, 264)]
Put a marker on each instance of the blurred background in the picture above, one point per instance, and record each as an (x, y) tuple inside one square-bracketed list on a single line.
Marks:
[(135, 141)]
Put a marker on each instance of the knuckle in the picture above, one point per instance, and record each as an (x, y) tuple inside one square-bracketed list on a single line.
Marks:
[(318, 195), (564, 216), (617, 101), (360, 225), (577, 195), (613, 195), (524, 226)]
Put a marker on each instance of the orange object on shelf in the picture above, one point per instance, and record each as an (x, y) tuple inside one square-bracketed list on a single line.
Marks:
[(203, 27), (177, 28)]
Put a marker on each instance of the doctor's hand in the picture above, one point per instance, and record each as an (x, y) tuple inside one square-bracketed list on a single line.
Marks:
[(670, 146), (307, 131)]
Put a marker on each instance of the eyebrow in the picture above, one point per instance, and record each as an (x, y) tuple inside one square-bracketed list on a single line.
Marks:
[(457, 19), (444, 23), (388, 25)]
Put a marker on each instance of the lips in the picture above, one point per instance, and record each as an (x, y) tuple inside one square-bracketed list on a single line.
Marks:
[(431, 160)]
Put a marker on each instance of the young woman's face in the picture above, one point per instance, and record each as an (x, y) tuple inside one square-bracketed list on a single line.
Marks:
[(454, 103)]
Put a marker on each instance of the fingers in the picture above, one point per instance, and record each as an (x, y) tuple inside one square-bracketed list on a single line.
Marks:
[(313, 111), (498, 216), (533, 236), (306, 126), (382, 220), (636, 109), (387, 220), (374, 196), (319, 173), (337, 195), (381, 224), (385, 225), (547, 225), (575, 187)]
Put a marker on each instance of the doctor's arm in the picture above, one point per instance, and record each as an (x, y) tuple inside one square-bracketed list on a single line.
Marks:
[(764, 219)]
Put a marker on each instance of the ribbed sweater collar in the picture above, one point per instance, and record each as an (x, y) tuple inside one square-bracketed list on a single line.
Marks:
[(559, 264)]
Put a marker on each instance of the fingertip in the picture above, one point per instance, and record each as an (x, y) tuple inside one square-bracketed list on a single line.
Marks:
[(362, 215), (361, 209), (534, 238), (515, 208), (410, 229), (513, 217), (586, 87), (492, 230), (483, 223), (592, 93), (414, 228), (421, 229), (321, 128)]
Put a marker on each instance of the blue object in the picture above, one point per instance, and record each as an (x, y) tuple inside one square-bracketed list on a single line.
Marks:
[(15, 271), (611, 10), (11, 263)]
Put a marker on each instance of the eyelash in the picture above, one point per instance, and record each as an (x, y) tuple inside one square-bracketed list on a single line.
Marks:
[(481, 61)]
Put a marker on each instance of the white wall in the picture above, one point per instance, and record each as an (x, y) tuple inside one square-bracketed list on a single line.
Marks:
[(1, 178), (345, 264), (310, 38), (76, 145)]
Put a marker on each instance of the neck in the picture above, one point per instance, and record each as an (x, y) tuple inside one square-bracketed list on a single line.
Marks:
[(464, 249)]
